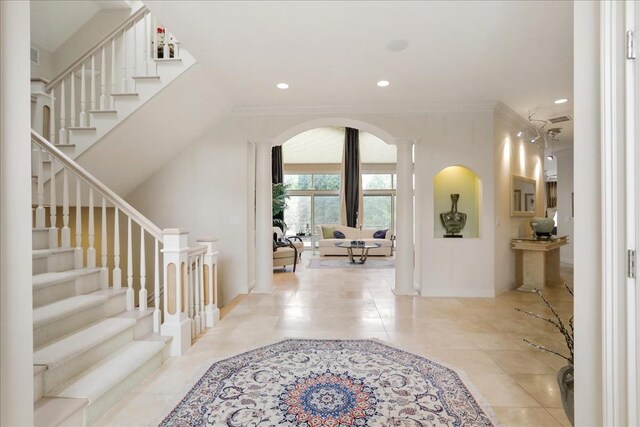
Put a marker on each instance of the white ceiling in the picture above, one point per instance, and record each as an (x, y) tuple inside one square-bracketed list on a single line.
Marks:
[(54, 21), (325, 145), (332, 53)]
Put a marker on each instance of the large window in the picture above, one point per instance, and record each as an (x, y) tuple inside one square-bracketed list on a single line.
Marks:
[(314, 199)]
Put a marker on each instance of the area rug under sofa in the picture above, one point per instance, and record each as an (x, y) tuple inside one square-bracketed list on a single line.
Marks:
[(343, 262), (329, 383)]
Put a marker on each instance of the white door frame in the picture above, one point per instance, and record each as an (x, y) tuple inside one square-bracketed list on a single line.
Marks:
[(619, 214)]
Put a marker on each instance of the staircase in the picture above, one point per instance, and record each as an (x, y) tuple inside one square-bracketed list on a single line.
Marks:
[(107, 84), (88, 350)]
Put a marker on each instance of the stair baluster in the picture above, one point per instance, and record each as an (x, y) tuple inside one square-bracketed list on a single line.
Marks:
[(66, 231), (130, 295), (72, 112), (83, 98), (123, 87), (40, 211), (196, 295), (142, 295), (93, 83), (113, 72), (156, 290), (103, 80), (52, 118), (63, 117), (134, 60), (202, 292), (53, 230), (104, 272), (117, 272), (78, 253), (145, 47), (91, 250)]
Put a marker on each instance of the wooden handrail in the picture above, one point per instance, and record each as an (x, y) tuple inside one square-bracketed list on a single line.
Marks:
[(134, 17), (98, 186)]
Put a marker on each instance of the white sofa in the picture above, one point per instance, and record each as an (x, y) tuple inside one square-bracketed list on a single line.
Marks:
[(328, 246)]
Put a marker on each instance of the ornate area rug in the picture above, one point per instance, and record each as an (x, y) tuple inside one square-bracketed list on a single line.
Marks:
[(343, 262), (328, 383)]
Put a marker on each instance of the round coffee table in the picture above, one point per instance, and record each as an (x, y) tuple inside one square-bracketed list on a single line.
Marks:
[(363, 247)]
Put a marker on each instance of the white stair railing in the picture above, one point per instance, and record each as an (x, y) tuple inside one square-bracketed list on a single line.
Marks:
[(195, 313), (122, 56)]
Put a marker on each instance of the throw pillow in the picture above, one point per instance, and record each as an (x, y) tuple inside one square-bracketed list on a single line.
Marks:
[(380, 234), (327, 231), (338, 234)]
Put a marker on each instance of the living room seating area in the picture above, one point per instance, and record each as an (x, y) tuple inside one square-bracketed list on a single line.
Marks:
[(330, 234)]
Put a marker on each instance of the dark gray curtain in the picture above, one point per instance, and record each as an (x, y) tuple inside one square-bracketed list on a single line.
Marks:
[(351, 175), (277, 171), (552, 194)]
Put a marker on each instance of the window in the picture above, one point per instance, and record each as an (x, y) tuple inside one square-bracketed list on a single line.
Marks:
[(377, 212), (297, 215), (372, 181), (298, 182), (326, 182), (326, 209)]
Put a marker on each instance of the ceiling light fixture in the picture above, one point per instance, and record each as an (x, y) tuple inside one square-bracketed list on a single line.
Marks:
[(383, 83), (532, 133), (560, 101), (282, 86), (520, 133), (550, 157)]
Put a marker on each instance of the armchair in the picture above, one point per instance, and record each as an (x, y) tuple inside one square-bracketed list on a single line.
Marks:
[(284, 253)]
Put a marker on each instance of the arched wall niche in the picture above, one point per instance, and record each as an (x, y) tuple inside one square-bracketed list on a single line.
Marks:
[(457, 179)]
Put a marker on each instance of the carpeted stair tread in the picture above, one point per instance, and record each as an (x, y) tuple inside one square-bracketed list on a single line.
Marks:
[(135, 314), (104, 375), (71, 346), (49, 279), (63, 308), (41, 253), (53, 411)]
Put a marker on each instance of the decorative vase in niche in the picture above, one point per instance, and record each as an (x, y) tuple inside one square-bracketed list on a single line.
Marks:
[(453, 221), (565, 382)]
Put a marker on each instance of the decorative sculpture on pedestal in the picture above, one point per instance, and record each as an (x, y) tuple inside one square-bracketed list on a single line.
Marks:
[(453, 221)]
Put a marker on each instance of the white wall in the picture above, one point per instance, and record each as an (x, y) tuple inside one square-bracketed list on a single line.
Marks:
[(44, 68), (98, 27), (203, 189), (512, 155), (565, 202)]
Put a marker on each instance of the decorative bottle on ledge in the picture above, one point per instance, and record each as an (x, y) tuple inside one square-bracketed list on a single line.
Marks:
[(453, 221)]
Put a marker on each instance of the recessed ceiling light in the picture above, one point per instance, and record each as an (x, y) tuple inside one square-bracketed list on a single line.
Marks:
[(397, 45), (282, 86), (520, 133), (560, 101), (383, 83)]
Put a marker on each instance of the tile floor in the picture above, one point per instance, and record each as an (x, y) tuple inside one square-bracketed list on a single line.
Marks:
[(481, 337)]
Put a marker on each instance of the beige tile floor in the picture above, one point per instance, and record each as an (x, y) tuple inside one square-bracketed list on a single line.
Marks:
[(479, 337)]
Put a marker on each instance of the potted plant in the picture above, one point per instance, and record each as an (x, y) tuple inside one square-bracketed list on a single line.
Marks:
[(279, 203), (565, 375)]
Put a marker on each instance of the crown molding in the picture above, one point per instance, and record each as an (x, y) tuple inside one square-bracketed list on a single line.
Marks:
[(503, 111), (362, 109)]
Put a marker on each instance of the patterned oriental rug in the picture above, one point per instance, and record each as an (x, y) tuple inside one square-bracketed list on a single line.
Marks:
[(328, 383)]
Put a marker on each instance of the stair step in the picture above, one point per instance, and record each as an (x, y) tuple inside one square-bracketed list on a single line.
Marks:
[(125, 94), (115, 300), (74, 353), (50, 412), (40, 238), (51, 287), (63, 317), (168, 59), (52, 260), (146, 77), (103, 111), (78, 128), (143, 319), (110, 379)]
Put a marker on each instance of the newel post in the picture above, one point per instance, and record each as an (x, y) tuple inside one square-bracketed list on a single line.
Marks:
[(211, 311), (175, 259)]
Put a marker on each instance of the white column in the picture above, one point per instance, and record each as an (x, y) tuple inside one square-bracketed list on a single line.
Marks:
[(210, 279), (16, 321), (264, 223), (175, 257), (404, 218)]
